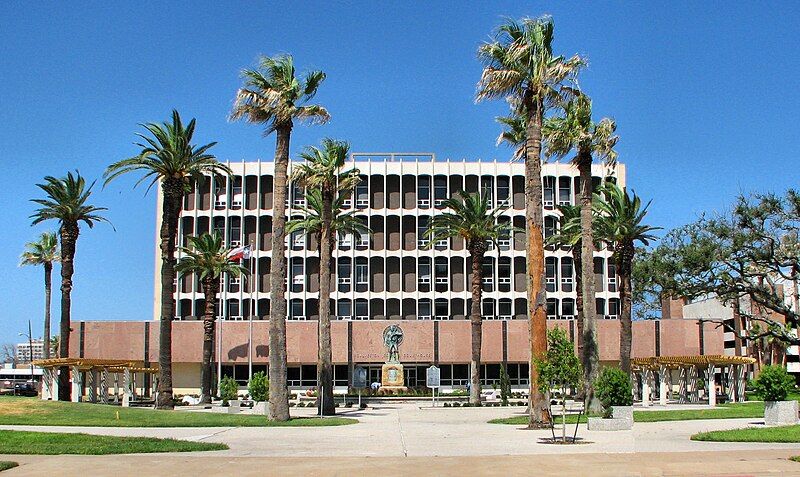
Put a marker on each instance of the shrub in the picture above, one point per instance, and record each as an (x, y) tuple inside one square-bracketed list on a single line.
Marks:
[(348, 404), (363, 405), (505, 385), (292, 404), (228, 389), (259, 387), (613, 388), (447, 404), (773, 383), (456, 404), (466, 404)]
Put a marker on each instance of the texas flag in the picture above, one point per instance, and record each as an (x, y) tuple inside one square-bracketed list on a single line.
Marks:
[(240, 253)]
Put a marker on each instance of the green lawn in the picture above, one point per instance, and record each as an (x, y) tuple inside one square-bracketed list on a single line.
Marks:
[(7, 464), (53, 443), (722, 411), (35, 412), (752, 434)]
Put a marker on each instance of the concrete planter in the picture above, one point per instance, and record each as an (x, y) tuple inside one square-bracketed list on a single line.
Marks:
[(261, 408), (621, 420), (622, 412), (234, 406), (780, 413)]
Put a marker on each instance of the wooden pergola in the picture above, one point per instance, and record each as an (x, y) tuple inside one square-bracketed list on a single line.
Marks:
[(689, 369), (98, 372)]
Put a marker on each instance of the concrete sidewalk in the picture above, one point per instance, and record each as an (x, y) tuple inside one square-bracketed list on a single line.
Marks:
[(751, 463), (397, 438)]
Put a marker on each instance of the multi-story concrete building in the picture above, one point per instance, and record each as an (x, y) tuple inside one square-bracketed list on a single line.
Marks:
[(24, 351), (390, 277)]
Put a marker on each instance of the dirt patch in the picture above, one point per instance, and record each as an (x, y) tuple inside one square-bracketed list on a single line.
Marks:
[(19, 406)]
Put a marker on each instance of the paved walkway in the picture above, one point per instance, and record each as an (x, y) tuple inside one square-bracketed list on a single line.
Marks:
[(400, 437)]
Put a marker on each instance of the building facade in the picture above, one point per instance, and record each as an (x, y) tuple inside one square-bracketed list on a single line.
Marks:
[(392, 276), (24, 351)]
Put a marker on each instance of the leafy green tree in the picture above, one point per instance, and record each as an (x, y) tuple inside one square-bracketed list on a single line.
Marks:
[(208, 259), (470, 218), (613, 387), (43, 252), (574, 131), (519, 65), (274, 96), (774, 383), (559, 369), (228, 390), (168, 157), (620, 223), (322, 173), (258, 387), (67, 202), (745, 254)]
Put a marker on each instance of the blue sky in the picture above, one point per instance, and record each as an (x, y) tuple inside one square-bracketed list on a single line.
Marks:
[(703, 94)]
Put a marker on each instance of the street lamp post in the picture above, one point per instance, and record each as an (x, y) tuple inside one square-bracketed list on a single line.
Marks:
[(30, 348)]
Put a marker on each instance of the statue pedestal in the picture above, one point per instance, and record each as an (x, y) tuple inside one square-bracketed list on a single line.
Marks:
[(392, 377)]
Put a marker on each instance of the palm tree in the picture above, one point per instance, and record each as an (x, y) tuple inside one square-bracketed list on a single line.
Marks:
[(519, 65), (620, 223), (471, 219), (568, 236), (67, 202), (273, 95), (208, 259), (321, 174), (513, 134), (170, 159), (575, 131), (43, 252)]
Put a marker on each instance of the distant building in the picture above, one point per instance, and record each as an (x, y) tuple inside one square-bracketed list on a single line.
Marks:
[(24, 351)]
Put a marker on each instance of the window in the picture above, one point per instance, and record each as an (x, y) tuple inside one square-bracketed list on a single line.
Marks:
[(424, 309), (233, 310), (296, 310), (424, 192), (362, 312), (566, 274), (439, 190), (550, 273), (487, 268), (362, 194), (343, 309), (487, 309), (504, 309), (424, 270), (504, 274), (343, 274), (503, 189), (297, 276), (613, 308), (552, 308), (549, 192), (612, 276), (362, 274), (564, 191), (568, 308), (441, 309), (550, 226), (422, 227), (487, 188), (600, 306)]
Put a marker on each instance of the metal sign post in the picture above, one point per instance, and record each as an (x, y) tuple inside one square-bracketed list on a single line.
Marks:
[(433, 381)]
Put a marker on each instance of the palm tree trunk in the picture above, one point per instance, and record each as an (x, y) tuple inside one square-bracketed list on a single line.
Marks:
[(279, 391), (534, 219), (69, 239), (590, 356), (476, 324), (48, 288), (325, 357), (624, 262), (172, 201), (210, 289)]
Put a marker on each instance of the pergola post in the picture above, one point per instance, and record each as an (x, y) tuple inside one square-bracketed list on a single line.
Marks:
[(54, 384), (47, 383), (694, 395), (712, 386), (116, 387), (104, 386), (127, 395), (683, 384), (91, 384), (662, 385), (740, 382), (77, 384), (646, 373)]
